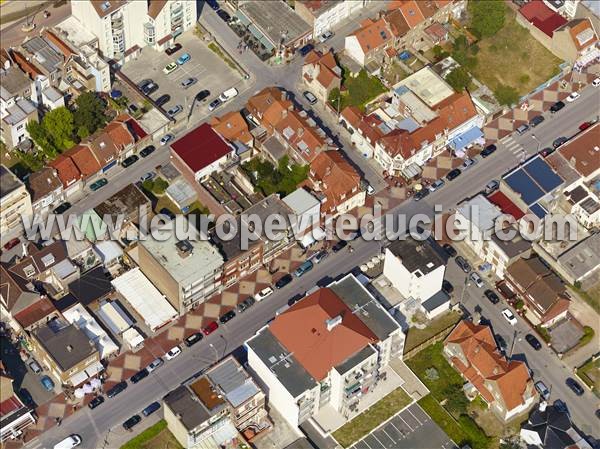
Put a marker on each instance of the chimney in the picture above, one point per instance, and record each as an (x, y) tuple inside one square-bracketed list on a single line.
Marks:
[(300, 131), (333, 322), (25, 251), (69, 348), (542, 406)]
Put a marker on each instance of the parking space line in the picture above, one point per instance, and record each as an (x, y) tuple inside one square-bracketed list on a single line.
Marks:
[(404, 421), (382, 445), (398, 430), (364, 440), (423, 416), (387, 435), (417, 419)]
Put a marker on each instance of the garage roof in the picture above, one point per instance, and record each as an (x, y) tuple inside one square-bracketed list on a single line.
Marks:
[(201, 147)]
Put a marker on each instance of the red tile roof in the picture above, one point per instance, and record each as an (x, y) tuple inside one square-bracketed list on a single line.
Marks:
[(232, 127), (35, 312), (506, 205), (368, 124), (579, 34), (84, 159), (542, 17), (581, 151), (68, 173), (373, 34), (201, 147), (302, 330), (62, 46), (412, 13), (155, 7), (300, 135), (327, 66)]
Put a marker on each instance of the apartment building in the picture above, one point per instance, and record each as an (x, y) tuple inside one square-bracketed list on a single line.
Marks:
[(327, 350), (15, 203), (324, 15), (16, 110), (46, 190)]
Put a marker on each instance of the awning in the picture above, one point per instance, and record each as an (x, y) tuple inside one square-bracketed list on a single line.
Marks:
[(94, 369), (411, 171), (466, 138), (78, 378), (242, 18), (133, 338), (312, 237)]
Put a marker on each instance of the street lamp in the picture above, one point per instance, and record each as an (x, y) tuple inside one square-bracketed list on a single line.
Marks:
[(539, 144), (216, 352)]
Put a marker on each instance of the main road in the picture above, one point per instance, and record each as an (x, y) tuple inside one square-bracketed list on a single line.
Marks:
[(97, 425)]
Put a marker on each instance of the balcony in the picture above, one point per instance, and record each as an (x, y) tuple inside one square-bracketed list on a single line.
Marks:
[(149, 33), (116, 22)]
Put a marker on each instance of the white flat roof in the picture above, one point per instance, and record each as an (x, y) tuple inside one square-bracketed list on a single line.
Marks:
[(80, 317), (145, 298), (428, 86)]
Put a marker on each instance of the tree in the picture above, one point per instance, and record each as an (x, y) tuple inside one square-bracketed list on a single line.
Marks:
[(40, 137), (506, 95), (335, 99), (58, 123), (90, 113), (439, 53), (487, 17), (459, 79)]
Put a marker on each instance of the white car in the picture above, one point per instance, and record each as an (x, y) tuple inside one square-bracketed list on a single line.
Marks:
[(596, 82), (170, 68), (155, 364), (325, 36), (173, 352), (506, 313), (370, 189), (69, 442), (476, 279), (571, 98), (264, 293), (166, 139)]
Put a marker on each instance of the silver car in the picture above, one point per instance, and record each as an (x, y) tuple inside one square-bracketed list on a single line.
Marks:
[(174, 110), (188, 82)]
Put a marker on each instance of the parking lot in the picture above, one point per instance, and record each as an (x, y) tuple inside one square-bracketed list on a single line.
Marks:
[(410, 429), (209, 69)]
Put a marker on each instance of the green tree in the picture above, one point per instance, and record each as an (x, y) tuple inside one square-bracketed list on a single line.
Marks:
[(59, 125), (334, 97), (458, 78), (41, 138), (90, 113), (506, 95), (160, 185), (439, 53), (487, 17)]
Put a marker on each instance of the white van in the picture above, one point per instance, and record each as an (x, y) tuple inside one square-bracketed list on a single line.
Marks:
[(68, 443), (228, 94)]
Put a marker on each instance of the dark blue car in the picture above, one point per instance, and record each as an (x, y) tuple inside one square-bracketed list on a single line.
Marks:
[(306, 49), (151, 409)]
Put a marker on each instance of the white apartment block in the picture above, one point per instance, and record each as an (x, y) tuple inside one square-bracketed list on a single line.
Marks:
[(326, 14), (15, 202)]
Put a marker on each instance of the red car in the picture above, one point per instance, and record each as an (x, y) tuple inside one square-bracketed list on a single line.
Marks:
[(210, 328), (584, 126), (12, 243)]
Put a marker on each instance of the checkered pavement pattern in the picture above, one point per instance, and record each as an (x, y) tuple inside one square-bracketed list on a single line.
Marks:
[(439, 166)]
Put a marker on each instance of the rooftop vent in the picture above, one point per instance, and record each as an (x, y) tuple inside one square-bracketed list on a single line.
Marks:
[(104, 6), (333, 322), (184, 248), (69, 348)]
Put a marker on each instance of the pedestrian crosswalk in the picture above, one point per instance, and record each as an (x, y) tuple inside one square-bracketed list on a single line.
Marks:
[(513, 147)]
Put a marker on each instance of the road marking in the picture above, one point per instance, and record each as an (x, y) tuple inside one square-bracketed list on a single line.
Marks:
[(34, 443), (397, 430), (404, 421), (364, 440), (387, 435), (382, 445), (409, 411)]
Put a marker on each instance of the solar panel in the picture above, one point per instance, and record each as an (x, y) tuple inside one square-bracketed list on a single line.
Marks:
[(541, 172), (522, 184), (538, 210)]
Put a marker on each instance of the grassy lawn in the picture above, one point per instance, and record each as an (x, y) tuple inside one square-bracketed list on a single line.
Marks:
[(365, 422), (514, 58), (590, 374), (394, 73), (417, 336), (591, 296), (155, 437), (358, 91), (268, 179)]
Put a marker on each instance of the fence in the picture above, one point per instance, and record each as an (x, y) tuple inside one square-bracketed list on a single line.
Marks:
[(430, 341), (565, 68)]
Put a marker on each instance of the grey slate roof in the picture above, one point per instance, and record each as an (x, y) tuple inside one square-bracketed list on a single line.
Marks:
[(233, 380), (354, 360), (190, 412), (417, 255), (65, 343)]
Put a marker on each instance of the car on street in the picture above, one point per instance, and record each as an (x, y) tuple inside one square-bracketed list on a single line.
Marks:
[(172, 353), (162, 100), (264, 293), (202, 95), (294, 299), (116, 389), (210, 328), (449, 249), (213, 4), (501, 342), (35, 367), (69, 442), (224, 15), (492, 186), (188, 82), (533, 342), (306, 49), (98, 184), (173, 49), (214, 104), (143, 83), (62, 208), (141, 374), (574, 386), (170, 68), (325, 36), (453, 174), (370, 189), (284, 280), (585, 125), (556, 107), (309, 97), (436, 185), (339, 246), (476, 279), (96, 402), (150, 89), (492, 296), (147, 176), (487, 151), (574, 96), (155, 364), (535, 121), (304, 268), (318, 257), (468, 163), (246, 304), (547, 151), (421, 194), (560, 405), (166, 139), (596, 82), (509, 316), (129, 161), (183, 58), (147, 151), (559, 141), (462, 264), (542, 390), (174, 110), (447, 287), (151, 408), (522, 129), (11, 243), (191, 340), (226, 317), (131, 422)]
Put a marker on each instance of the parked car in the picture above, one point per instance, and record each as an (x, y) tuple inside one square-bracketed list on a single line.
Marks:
[(468, 163), (183, 58), (155, 364), (574, 96), (227, 316), (202, 95), (210, 328), (147, 176), (449, 249), (224, 15), (447, 287), (151, 408), (370, 189), (173, 49), (501, 342), (306, 49), (492, 186), (318, 257), (559, 141), (162, 100), (492, 296), (522, 129), (533, 342), (96, 402), (283, 281), (547, 151), (147, 151), (129, 161), (191, 340), (167, 213), (596, 82), (172, 353), (325, 36), (585, 125), (245, 304), (462, 264), (150, 89), (556, 107), (487, 151), (35, 367), (535, 121), (339, 246), (264, 293), (11, 243), (294, 299), (62, 208), (421, 194), (574, 386), (476, 279), (26, 398), (141, 374), (303, 268), (166, 139), (213, 4), (170, 68), (188, 82), (214, 104), (174, 110), (542, 390), (69, 442), (436, 185), (131, 422), (98, 184), (561, 406), (309, 97), (453, 174), (509, 316), (228, 94), (115, 390)]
